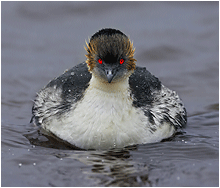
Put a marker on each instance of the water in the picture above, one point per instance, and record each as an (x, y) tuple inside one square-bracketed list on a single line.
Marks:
[(176, 41)]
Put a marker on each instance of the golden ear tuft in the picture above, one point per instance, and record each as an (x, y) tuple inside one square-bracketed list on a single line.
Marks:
[(91, 50), (131, 65)]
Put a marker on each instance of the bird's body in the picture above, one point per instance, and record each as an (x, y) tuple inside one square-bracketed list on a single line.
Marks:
[(108, 101)]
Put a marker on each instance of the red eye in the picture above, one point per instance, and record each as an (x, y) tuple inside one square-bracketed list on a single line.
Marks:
[(100, 61), (122, 61)]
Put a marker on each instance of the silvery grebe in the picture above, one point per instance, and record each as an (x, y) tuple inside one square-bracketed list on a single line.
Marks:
[(108, 101)]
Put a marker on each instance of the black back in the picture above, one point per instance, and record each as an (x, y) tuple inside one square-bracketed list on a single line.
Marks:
[(73, 82), (143, 84)]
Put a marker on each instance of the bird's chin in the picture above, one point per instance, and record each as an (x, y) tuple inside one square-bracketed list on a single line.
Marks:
[(118, 77), (104, 80)]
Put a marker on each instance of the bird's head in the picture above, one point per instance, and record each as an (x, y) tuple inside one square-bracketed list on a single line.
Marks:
[(110, 55)]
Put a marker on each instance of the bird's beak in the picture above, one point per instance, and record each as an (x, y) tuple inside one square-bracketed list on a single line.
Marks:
[(109, 74)]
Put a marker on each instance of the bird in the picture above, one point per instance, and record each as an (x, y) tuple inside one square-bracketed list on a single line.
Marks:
[(108, 101)]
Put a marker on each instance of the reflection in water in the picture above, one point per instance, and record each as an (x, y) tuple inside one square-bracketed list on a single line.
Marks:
[(113, 167)]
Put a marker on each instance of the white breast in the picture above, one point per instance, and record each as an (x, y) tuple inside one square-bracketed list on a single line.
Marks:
[(105, 118)]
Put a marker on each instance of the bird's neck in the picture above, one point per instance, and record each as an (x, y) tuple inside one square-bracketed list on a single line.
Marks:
[(112, 87)]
